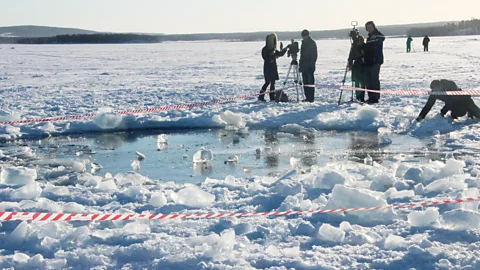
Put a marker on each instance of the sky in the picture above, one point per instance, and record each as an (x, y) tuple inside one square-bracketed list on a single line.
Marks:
[(226, 16)]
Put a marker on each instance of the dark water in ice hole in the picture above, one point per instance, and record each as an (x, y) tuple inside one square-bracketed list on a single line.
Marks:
[(116, 151)]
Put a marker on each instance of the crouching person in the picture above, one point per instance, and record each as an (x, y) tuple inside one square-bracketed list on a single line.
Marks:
[(458, 106)]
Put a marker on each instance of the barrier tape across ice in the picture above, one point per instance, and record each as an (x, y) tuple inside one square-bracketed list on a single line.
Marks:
[(213, 102), (142, 111), (415, 92), (31, 216)]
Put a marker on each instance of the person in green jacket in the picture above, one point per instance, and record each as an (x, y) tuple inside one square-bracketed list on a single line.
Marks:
[(409, 44)]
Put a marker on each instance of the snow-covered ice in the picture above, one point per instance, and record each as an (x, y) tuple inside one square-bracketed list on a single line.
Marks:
[(17, 176), (51, 80), (194, 197), (459, 219), (158, 199), (423, 218), (331, 234), (395, 242)]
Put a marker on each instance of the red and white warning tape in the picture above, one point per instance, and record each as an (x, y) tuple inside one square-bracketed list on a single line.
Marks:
[(415, 92), (213, 102), (53, 119), (141, 111), (30, 216)]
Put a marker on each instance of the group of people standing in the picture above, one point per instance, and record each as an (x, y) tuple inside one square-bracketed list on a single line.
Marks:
[(425, 43), (365, 61), (307, 65)]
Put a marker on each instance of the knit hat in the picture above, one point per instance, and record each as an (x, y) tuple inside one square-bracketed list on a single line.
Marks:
[(305, 33)]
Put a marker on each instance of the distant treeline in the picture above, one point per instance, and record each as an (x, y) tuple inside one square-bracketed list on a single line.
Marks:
[(470, 27), (432, 29), (104, 38), (90, 39)]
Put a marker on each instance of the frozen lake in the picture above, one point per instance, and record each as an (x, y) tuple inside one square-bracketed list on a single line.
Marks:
[(55, 80), (44, 171)]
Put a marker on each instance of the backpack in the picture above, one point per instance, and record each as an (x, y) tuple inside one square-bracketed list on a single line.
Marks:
[(280, 96)]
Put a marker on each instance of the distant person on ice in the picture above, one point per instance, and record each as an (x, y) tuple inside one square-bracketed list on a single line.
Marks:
[(356, 65), (426, 41), (307, 65), (373, 59), (409, 44), (270, 70), (459, 106)]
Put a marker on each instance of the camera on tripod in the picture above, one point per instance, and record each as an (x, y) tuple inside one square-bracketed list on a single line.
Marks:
[(293, 50), (354, 33), (294, 71)]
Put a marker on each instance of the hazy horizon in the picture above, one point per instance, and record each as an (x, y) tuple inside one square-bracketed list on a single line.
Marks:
[(216, 16), (193, 33)]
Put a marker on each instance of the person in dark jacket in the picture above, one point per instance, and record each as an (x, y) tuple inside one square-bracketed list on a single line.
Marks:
[(270, 69), (458, 106), (308, 61), (426, 41), (409, 44), (373, 59), (356, 65)]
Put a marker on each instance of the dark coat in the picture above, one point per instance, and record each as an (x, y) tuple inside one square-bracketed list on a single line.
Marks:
[(308, 55), (455, 104), (426, 40), (355, 62), (270, 69), (373, 49)]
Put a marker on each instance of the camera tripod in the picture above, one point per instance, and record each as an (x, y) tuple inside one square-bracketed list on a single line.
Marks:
[(353, 40), (343, 84), (297, 78)]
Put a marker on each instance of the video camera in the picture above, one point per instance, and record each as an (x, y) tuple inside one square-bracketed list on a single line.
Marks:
[(293, 50), (354, 33)]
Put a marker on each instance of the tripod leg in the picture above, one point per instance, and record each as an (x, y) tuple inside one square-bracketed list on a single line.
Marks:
[(288, 75), (343, 83), (353, 85), (299, 76), (297, 82), (278, 97), (300, 85)]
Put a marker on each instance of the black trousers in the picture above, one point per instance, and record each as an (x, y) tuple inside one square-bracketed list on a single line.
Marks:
[(264, 88), (372, 81), (425, 48), (469, 108), (309, 79)]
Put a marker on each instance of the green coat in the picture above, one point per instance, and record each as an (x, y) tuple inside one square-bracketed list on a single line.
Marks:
[(409, 41)]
